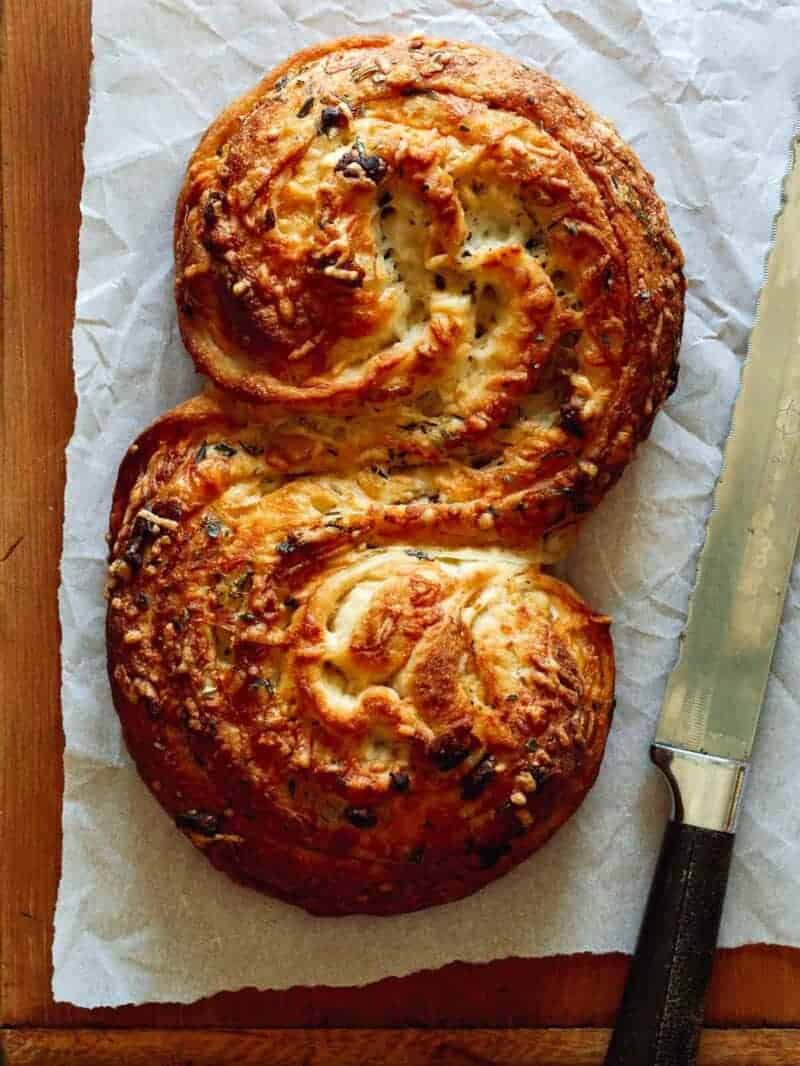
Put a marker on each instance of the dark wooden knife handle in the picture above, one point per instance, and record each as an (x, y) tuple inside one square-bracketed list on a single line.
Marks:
[(661, 1015)]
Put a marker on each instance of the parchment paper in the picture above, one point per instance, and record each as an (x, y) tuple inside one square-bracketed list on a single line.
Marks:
[(704, 92)]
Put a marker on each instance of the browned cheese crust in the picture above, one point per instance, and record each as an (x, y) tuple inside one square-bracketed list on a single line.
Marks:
[(440, 303), (448, 249)]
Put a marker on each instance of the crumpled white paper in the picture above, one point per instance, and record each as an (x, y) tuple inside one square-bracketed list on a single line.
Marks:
[(704, 93)]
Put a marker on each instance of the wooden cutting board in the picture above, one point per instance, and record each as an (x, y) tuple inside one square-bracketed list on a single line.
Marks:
[(543, 1011)]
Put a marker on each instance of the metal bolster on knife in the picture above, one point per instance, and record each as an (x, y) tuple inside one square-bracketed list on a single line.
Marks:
[(706, 790)]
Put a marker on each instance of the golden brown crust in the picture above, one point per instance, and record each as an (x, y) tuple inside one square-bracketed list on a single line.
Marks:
[(440, 303), (444, 243), (351, 722)]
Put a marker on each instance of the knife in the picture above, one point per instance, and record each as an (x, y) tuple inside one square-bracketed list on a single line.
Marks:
[(712, 703)]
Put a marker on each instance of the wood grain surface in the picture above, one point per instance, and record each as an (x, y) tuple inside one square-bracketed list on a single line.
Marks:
[(45, 62), (369, 1047)]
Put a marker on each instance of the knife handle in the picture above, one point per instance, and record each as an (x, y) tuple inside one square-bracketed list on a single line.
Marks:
[(662, 1007), (661, 1015)]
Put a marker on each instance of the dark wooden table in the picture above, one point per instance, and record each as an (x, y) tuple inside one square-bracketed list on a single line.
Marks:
[(548, 1011)]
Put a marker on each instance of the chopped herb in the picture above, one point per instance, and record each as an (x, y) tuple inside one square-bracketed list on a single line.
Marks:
[(152, 707), (361, 817), (306, 108), (244, 582), (265, 683), (247, 617), (384, 198), (288, 545), (430, 402), (332, 118), (571, 228), (141, 600), (387, 212), (224, 449), (372, 165), (473, 784), (195, 821), (608, 278), (512, 697), (418, 553), (570, 420), (202, 452), (291, 603), (490, 854), (281, 83), (141, 533), (451, 748), (400, 781), (480, 461), (439, 282), (213, 527), (210, 210), (251, 449), (538, 773), (424, 426), (269, 219), (570, 338)]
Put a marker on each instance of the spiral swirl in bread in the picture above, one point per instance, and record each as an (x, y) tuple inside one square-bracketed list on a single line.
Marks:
[(439, 303)]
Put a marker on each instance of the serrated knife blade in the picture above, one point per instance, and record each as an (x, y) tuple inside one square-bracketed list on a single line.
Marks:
[(713, 699), (714, 694)]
